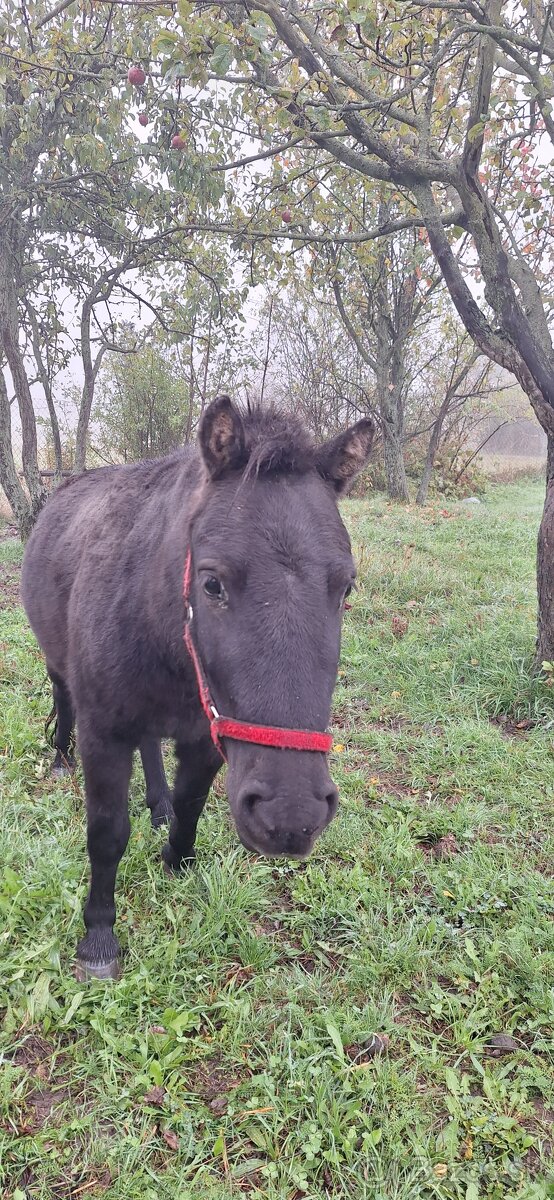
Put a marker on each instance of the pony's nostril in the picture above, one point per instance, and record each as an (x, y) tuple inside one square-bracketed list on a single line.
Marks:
[(250, 800), (332, 799), (252, 795)]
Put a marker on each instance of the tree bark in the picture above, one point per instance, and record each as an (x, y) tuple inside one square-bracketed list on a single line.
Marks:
[(389, 379), (47, 389), (545, 566), (395, 471), (423, 487), (9, 478), (9, 342)]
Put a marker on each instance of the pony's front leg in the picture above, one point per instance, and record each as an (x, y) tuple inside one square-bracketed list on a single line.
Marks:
[(107, 765), (158, 795), (197, 766)]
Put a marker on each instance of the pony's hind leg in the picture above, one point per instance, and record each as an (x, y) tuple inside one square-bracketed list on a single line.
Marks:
[(158, 795), (63, 720)]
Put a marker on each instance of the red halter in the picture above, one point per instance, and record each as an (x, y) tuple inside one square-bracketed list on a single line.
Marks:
[(242, 731)]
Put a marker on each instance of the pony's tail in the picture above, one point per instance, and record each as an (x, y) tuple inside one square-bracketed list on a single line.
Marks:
[(51, 726)]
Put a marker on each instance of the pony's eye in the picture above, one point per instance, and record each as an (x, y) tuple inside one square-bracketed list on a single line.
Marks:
[(214, 588)]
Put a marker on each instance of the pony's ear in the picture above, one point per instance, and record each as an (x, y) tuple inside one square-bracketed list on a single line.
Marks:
[(221, 438), (341, 459)]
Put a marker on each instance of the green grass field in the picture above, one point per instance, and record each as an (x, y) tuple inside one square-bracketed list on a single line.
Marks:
[(236, 1056)]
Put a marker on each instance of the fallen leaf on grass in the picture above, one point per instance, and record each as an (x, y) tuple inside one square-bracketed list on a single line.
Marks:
[(399, 627), (155, 1096), (170, 1138)]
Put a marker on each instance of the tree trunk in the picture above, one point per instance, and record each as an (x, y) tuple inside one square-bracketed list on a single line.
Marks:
[(9, 341), (545, 567), (47, 389), (423, 488), (395, 471), (389, 380), (85, 408), (392, 423), (9, 478)]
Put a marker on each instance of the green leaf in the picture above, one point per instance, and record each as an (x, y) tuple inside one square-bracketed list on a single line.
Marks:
[(155, 1072), (248, 1167), (335, 1038), (73, 1007), (165, 40), (222, 58), (452, 1081)]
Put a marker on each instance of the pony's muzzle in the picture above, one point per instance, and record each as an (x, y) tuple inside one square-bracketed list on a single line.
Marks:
[(279, 822)]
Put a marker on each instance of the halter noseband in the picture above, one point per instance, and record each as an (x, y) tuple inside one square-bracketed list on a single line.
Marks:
[(241, 731)]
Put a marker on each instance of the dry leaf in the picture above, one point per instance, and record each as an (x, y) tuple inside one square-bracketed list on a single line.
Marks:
[(155, 1096), (170, 1138)]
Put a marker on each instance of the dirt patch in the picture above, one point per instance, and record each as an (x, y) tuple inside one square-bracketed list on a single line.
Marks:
[(43, 1065), (387, 783), (211, 1079), (41, 1108), (36, 1055), (352, 716), (92, 1183), (439, 847), (510, 728), (9, 585), (540, 1126)]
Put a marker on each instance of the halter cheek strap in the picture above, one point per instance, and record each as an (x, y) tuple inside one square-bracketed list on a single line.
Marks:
[(228, 727)]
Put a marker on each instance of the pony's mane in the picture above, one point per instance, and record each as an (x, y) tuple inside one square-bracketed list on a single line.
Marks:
[(276, 442)]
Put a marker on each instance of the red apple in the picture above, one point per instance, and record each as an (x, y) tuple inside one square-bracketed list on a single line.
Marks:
[(143, 120), (286, 216), (178, 142), (136, 76)]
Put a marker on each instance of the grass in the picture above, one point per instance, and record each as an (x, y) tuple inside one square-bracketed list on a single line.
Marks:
[(236, 1055)]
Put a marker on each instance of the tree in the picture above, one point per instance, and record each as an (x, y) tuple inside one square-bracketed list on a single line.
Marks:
[(450, 105), (93, 216), (313, 369), (144, 407)]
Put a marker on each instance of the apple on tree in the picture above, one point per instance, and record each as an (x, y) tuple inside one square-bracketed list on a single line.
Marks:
[(136, 76)]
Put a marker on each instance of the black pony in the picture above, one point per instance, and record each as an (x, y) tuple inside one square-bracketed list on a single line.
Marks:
[(251, 514)]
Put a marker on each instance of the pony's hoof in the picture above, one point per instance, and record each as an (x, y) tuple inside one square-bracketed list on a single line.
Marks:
[(161, 814), (90, 970), (172, 865), (62, 770)]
